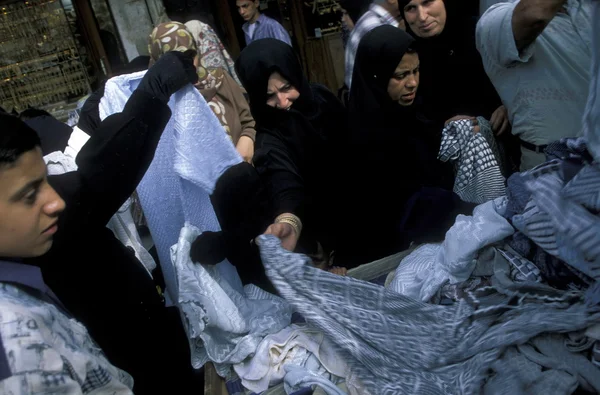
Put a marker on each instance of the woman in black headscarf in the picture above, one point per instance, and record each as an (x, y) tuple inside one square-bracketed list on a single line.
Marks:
[(399, 191), (454, 83), (289, 191), (298, 127)]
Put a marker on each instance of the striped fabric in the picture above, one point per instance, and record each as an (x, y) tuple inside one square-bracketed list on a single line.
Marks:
[(562, 215)]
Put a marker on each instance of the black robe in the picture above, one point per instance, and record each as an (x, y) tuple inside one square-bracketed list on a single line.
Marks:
[(296, 151), (54, 135), (398, 190), (293, 166)]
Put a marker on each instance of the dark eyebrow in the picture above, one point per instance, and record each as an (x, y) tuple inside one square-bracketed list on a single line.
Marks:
[(35, 184)]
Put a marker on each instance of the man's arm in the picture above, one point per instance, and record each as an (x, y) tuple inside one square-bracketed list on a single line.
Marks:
[(495, 39), (531, 17), (120, 150), (114, 160)]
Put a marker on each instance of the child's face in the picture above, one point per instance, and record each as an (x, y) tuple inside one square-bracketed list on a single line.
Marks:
[(29, 207)]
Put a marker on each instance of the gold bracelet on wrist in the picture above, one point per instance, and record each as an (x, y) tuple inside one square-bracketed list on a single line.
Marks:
[(292, 220)]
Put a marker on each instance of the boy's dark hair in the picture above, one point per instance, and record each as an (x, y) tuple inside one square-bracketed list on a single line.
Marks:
[(355, 8), (16, 138)]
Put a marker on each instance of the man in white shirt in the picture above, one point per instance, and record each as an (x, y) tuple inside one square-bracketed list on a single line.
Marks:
[(381, 12), (537, 54)]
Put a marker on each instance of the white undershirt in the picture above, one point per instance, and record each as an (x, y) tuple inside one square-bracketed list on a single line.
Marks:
[(251, 29)]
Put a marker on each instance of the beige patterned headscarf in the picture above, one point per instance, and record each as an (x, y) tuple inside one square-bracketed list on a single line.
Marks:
[(174, 36), (171, 36)]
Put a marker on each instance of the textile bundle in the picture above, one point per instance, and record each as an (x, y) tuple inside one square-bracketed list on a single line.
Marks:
[(476, 159), (296, 346), (508, 303), (395, 344), (191, 155), (225, 321)]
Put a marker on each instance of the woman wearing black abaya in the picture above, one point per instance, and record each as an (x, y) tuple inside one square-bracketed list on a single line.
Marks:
[(400, 192), (298, 126), (290, 193), (454, 83)]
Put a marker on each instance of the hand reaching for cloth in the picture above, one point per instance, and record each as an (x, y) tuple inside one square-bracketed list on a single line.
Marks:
[(286, 233), (499, 121), (474, 122), (287, 228), (245, 147), (171, 72)]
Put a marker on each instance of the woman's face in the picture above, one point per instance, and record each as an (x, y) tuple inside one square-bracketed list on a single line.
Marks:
[(403, 85), (280, 93), (426, 18)]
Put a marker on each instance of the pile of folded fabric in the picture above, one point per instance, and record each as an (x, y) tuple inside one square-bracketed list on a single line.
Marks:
[(506, 304), (509, 303), (244, 331)]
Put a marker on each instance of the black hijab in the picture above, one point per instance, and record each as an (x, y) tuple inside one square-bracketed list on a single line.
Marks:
[(375, 119), (393, 152), (377, 57), (295, 148), (453, 80), (255, 65)]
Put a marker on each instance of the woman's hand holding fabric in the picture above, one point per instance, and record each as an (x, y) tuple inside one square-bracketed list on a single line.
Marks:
[(245, 147), (286, 233), (499, 121), (474, 121)]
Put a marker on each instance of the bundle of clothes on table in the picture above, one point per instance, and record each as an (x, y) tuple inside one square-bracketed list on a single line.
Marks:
[(508, 302)]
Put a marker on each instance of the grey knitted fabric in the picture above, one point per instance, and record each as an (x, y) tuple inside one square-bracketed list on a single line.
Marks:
[(397, 345)]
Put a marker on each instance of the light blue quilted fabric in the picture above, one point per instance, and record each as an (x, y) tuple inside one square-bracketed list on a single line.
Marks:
[(191, 155)]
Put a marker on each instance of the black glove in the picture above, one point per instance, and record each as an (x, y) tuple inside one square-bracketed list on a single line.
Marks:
[(170, 73), (209, 248)]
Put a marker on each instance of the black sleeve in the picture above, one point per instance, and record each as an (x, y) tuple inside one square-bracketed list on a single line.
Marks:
[(89, 120), (114, 160), (280, 175)]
